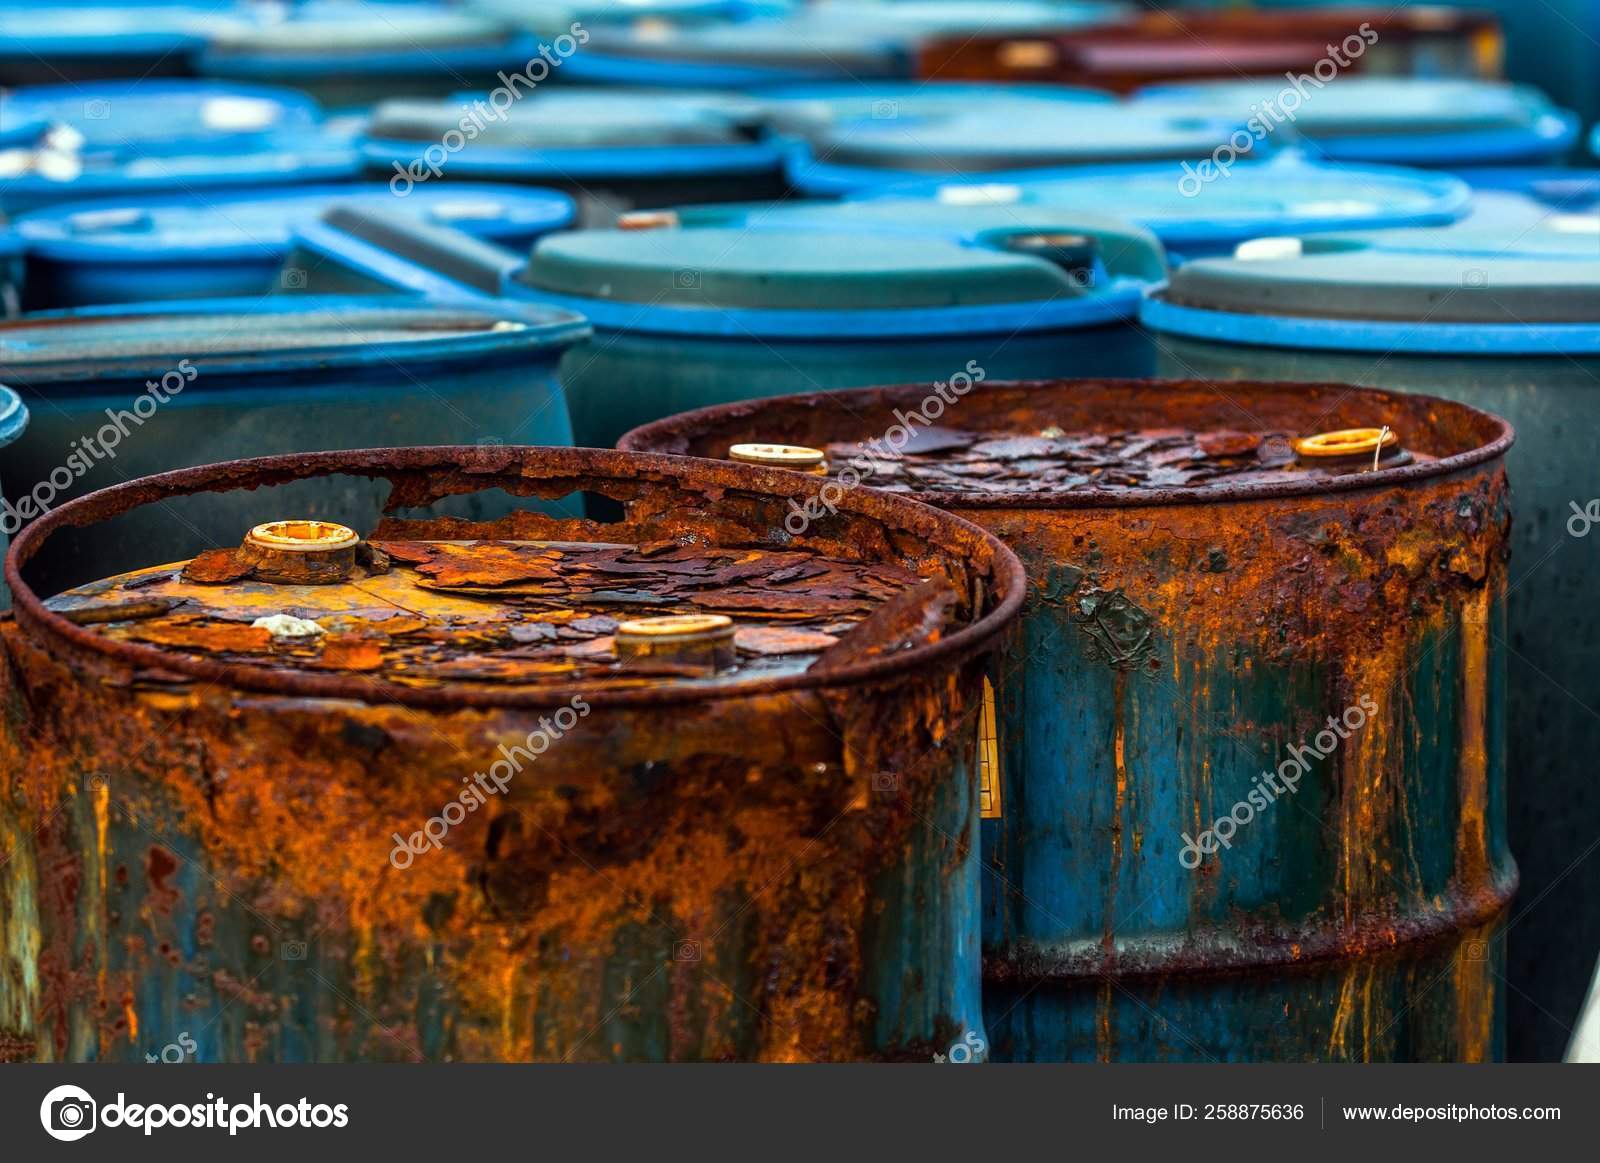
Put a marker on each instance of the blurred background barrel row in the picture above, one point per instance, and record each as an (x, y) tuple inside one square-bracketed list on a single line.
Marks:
[(243, 229)]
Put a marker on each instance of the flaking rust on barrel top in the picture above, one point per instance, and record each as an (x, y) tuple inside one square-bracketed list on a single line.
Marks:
[(240, 812), (506, 612)]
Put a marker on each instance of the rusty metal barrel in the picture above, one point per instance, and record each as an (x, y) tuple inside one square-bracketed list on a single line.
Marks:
[(1246, 778), (682, 786)]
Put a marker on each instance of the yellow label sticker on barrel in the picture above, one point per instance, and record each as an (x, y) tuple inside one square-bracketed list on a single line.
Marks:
[(988, 757)]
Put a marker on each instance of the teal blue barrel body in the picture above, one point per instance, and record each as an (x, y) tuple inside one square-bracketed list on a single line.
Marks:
[(765, 854), (1504, 316), (355, 52), (119, 392), (690, 317), (844, 41), (224, 243), (1284, 195), (1245, 773), (141, 138), (612, 150), (13, 423), (1445, 124)]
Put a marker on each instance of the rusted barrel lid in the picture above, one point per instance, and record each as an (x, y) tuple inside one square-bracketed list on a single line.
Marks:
[(1088, 443), (708, 586)]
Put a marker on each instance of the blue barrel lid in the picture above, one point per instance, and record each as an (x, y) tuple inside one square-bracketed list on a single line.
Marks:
[(570, 135), (1285, 194), (36, 177), (992, 136), (1472, 289), (55, 30), (1550, 186), (543, 15), (738, 283), (160, 115), (248, 223), (804, 110), (268, 336), (840, 40), (13, 416), (1398, 119), (315, 37)]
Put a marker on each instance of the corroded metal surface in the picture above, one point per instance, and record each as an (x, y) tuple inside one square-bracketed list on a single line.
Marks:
[(212, 835), (1184, 638)]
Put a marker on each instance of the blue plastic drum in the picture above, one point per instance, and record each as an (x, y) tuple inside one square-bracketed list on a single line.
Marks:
[(1447, 124), (235, 242), (121, 392), (1287, 195)]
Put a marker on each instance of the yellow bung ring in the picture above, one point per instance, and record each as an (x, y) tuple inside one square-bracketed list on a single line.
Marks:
[(676, 628), (794, 457), (1346, 442), (303, 536)]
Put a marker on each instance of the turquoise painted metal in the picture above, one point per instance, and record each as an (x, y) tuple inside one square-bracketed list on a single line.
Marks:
[(1504, 315), (232, 242), (119, 392), (1287, 194), (689, 317), (1448, 124), (13, 423), (613, 150), (1246, 798), (771, 856)]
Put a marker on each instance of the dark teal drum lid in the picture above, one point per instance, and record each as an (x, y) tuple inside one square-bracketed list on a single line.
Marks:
[(806, 110), (568, 120), (267, 336), (999, 136), (1452, 276), (1355, 106), (743, 285)]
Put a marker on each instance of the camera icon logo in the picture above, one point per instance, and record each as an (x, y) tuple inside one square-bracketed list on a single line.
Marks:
[(885, 110), (686, 951), (293, 279), (1475, 279), (68, 1113), (1475, 950), (686, 280), (292, 951), (885, 782), (98, 109)]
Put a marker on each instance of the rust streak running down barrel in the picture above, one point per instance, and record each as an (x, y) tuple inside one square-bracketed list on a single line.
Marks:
[(1251, 735), (682, 786)]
